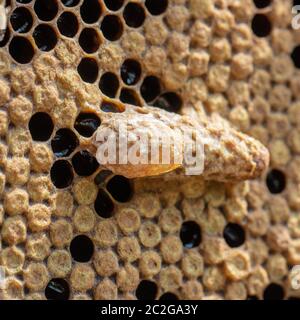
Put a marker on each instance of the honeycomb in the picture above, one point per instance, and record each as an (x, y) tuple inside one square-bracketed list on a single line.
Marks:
[(70, 229)]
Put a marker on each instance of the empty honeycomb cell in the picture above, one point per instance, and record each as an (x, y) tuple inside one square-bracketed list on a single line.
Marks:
[(57, 289), (130, 96), (146, 290), (273, 291), (87, 123), (234, 235), (113, 5), (24, 1), (295, 55), (169, 101), (150, 88), (82, 248), (90, 11), (190, 234), (109, 84), (88, 70), (108, 106), (21, 49), (89, 40), (261, 25), (61, 174), (131, 72), (64, 142), (112, 27), (45, 37), (276, 181), (84, 163), (262, 3), (104, 205), (102, 176), (41, 126), (21, 20), (70, 3), (46, 10), (134, 14), (156, 7), (67, 24), (168, 296), (120, 188)]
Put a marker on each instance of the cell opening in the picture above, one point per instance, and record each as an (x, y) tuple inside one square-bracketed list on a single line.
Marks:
[(150, 88), (112, 27), (84, 163), (24, 1), (67, 24), (120, 188), (260, 4), (261, 25), (87, 123), (45, 37), (102, 176), (295, 55), (70, 3), (129, 96), (21, 20), (103, 205), (21, 49), (40, 126), (234, 235), (109, 84), (169, 101), (113, 5), (82, 248), (90, 11), (273, 291), (134, 15), (146, 290), (57, 289), (276, 181), (156, 7), (108, 106), (131, 71), (61, 174), (46, 10), (88, 70), (168, 296), (190, 234), (89, 40), (64, 142)]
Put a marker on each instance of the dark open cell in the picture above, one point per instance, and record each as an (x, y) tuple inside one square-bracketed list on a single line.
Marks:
[(64, 142), (113, 5), (273, 292), (57, 289), (296, 2), (146, 290), (46, 10), (109, 84), (190, 234), (40, 126), (82, 248), (61, 174), (120, 188), (134, 15), (21, 49), (276, 181), (169, 101), (70, 3), (89, 40), (261, 25), (87, 123), (108, 106), (234, 235), (156, 7), (150, 88), (112, 27), (88, 70), (295, 55), (131, 71), (84, 163), (45, 37), (168, 296), (21, 20), (90, 11), (252, 298), (24, 1), (67, 24), (104, 205), (102, 176), (129, 96), (262, 3)]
